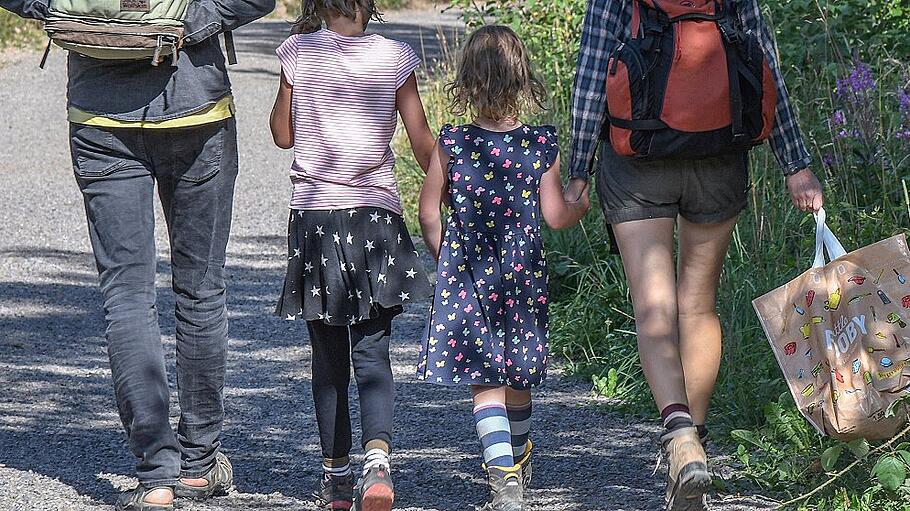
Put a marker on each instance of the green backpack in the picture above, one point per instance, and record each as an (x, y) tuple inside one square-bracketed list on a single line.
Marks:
[(120, 29)]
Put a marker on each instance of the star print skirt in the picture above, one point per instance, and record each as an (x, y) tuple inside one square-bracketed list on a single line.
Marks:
[(345, 264)]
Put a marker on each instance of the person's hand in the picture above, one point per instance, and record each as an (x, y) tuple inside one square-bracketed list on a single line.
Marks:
[(576, 190), (805, 190)]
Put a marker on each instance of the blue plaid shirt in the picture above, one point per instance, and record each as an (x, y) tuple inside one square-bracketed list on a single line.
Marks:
[(607, 22)]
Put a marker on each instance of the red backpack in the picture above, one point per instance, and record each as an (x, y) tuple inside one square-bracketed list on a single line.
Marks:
[(691, 83)]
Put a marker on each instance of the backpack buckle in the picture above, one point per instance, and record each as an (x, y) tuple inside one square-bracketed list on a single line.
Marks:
[(730, 33)]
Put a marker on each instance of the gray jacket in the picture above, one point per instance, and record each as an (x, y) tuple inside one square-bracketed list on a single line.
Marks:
[(132, 91)]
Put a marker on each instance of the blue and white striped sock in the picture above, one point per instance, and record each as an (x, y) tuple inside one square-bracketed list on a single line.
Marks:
[(492, 422), (520, 427)]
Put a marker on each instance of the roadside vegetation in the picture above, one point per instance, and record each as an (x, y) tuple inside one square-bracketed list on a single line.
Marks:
[(847, 65), (16, 33)]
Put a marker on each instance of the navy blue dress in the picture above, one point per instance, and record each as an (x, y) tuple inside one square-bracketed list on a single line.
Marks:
[(489, 322)]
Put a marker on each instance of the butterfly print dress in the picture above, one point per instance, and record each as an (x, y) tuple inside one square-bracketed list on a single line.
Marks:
[(489, 323)]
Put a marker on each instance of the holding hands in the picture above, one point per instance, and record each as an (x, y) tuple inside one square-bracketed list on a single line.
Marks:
[(576, 190)]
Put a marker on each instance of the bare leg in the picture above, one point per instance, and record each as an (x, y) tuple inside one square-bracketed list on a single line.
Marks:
[(488, 395), (647, 255), (517, 397), (702, 248)]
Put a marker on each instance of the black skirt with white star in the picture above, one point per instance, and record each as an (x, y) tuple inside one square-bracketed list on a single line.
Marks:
[(345, 264)]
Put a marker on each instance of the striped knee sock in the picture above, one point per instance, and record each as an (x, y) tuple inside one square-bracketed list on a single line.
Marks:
[(676, 416), (378, 455), (492, 422), (337, 467), (702, 432), (520, 426)]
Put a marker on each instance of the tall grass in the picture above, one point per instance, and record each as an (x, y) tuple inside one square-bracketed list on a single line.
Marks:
[(859, 139)]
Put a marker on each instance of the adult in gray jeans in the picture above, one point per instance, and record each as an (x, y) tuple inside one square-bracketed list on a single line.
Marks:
[(132, 126)]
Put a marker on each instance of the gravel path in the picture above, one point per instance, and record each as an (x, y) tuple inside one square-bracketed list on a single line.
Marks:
[(61, 444)]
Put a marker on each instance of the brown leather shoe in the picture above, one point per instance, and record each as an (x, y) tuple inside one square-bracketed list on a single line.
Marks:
[(687, 477)]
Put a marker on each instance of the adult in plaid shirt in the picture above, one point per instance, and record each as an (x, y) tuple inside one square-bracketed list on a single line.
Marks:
[(679, 333)]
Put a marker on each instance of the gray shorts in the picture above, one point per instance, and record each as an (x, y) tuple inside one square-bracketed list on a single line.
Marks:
[(704, 191)]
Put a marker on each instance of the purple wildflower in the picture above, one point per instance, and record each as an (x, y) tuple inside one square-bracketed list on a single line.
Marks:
[(903, 131), (857, 84), (829, 160), (838, 124), (838, 118)]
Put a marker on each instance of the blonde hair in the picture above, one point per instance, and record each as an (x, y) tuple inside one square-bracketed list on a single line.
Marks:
[(314, 12), (494, 78)]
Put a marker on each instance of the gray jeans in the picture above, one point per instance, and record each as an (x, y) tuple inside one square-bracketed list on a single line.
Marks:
[(195, 169)]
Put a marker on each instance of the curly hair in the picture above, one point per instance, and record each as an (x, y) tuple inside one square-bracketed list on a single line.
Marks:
[(494, 78), (314, 12)]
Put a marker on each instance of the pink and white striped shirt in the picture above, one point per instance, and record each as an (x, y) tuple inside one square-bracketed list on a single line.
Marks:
[(344, 114)]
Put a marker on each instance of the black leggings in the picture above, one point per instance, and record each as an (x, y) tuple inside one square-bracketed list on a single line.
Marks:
[(365, 344)]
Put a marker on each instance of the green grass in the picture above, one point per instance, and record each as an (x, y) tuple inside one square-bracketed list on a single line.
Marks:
[(18, 33)]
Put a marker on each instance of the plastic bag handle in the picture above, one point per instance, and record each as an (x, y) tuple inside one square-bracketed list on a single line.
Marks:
[(825, 240)]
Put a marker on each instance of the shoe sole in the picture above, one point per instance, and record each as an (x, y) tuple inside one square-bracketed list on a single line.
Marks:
[(689, 492), (378, 497)]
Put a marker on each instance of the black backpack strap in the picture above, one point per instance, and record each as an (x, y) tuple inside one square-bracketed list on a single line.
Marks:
[(47, 52), (638, 124), (229, 48), (734, 38), (653, 25)]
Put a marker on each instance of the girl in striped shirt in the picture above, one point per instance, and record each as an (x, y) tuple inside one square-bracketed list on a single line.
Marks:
[(351, 262)]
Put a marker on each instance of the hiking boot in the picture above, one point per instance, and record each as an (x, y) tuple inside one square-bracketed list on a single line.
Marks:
[(219, 480), (525, 463), (335, 492), (687, 476), (375, 491), (134, 500), (506, 489)]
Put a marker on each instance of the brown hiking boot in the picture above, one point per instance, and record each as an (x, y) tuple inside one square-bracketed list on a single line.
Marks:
[(506, 489), (525, 463), (219, 481), (687, 476)]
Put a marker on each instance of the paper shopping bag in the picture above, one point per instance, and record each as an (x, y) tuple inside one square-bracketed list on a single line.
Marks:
[(840, 334)]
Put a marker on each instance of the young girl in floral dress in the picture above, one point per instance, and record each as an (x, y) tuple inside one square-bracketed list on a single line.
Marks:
[(488, 327)]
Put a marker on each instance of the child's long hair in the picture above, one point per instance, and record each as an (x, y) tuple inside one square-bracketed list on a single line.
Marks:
[(494, 79), (314, 12)]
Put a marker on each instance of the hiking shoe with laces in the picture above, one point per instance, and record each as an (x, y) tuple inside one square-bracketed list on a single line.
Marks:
[(375, 491), (506, 489), (525, 463), (687, 476), (335, 492), (134, 500), (219, 480)]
